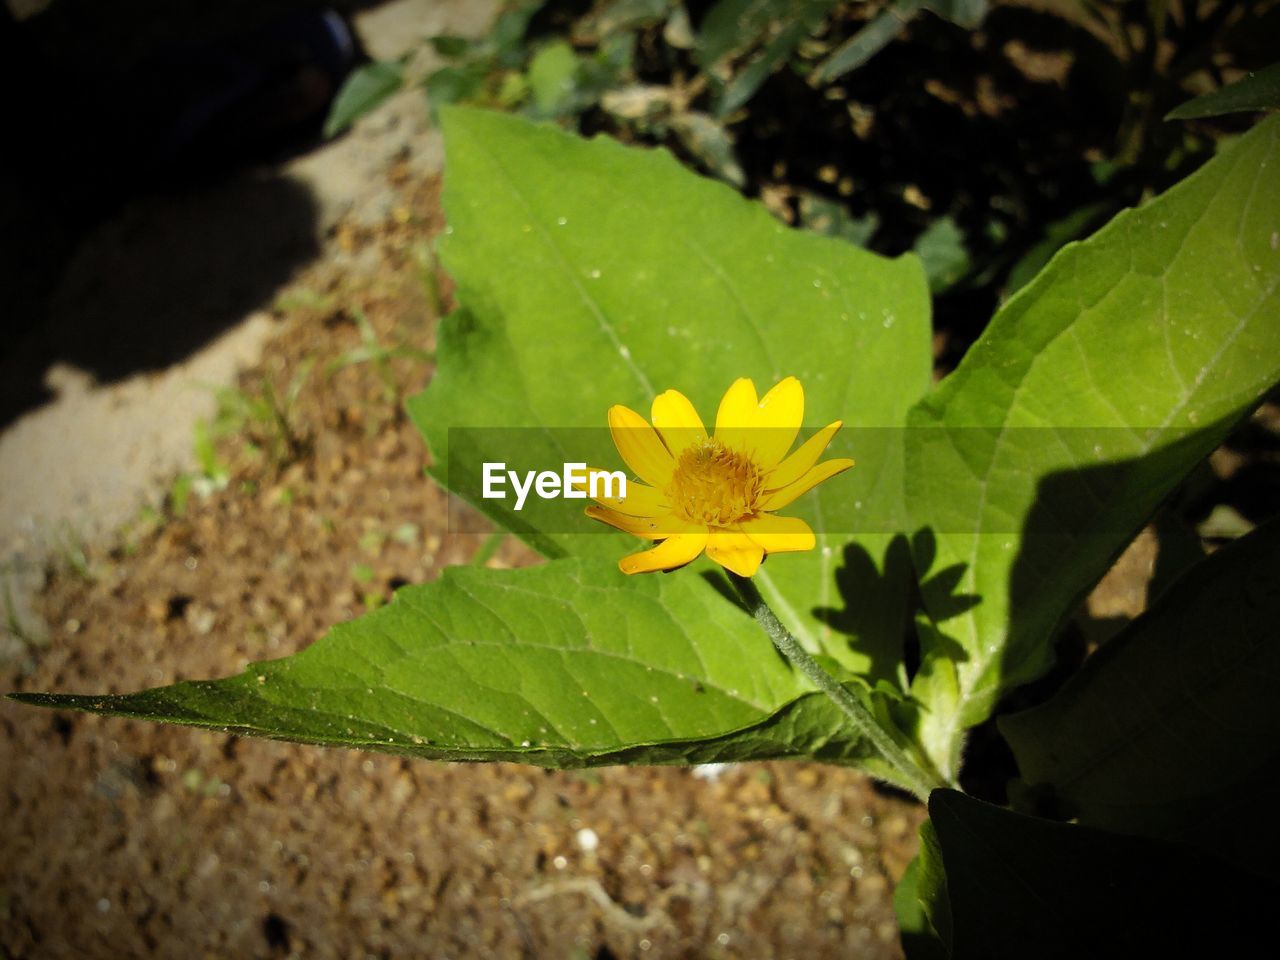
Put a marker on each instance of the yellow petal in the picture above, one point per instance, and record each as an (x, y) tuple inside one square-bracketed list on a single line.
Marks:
[(823, 471), (778, 422), (735, 551), (640, 501), (640, 446), (737, 414), (762, 429), (651, 528), (670, 553), (798, 464), (677, 421), (775, 534)]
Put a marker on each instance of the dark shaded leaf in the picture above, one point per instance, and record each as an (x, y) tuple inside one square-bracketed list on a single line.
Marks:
[(1020, 887), (1259, 90), (1173, 722)]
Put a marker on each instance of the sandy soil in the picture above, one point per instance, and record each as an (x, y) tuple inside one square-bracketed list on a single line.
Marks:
[(163, 303)]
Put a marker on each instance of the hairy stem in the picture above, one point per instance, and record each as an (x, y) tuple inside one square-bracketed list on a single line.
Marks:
[(909, 772)]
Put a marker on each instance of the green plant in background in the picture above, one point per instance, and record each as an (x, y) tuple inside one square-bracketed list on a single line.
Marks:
[(366, 89), (690, 77), (261, 417), (715, 69), (68, 542), (264, 415), (373, 351), (29, 633), (983, 508)]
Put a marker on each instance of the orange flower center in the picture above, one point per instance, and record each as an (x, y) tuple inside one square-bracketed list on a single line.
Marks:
[(714, 485)]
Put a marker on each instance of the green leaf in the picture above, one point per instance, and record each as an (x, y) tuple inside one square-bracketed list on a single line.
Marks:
[(762, 66), (919, 939), (508, 36), (964, 13), (1173, 723), (1259, 90), (512, 91), (1020, 887), (831, 219), (558, 666), (886, 27), (709, 142), (732, 27), (802, 20), (942, 250), (594, 274), (610, 67), (867, 42), (553, 77), (931, 886), (1057, 235), (364, 90), (450, 46), (456, 83), (1094, 389)]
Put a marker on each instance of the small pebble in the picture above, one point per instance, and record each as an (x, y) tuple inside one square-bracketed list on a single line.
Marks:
[(710, 772)]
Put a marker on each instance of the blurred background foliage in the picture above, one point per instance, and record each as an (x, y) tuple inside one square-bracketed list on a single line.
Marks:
[(984, 136)]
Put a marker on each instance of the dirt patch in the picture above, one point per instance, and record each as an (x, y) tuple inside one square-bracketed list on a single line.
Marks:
[(128, 839), (129, 311)]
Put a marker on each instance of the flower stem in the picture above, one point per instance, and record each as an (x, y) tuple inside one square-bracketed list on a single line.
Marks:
[(909, 772)]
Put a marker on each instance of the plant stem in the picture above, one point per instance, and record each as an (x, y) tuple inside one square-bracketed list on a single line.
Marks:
[(917, 780)]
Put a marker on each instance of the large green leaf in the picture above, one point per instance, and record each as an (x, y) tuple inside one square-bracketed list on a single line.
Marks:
[(1095, 388), (588, 273), (593, 274), (1172, 724), (1020, 887), (560, 665)]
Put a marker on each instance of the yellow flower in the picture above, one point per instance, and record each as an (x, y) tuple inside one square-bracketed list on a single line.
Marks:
[(716, 493)]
